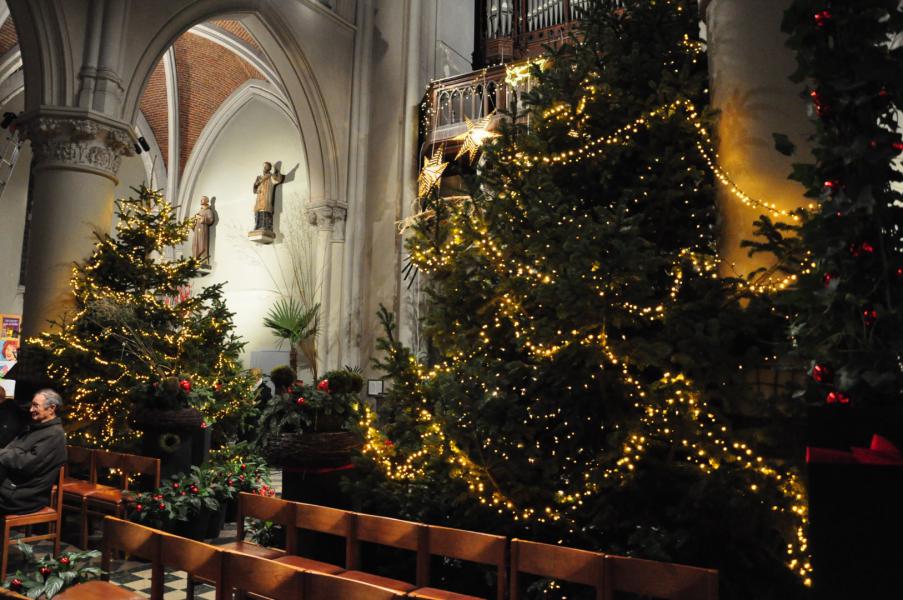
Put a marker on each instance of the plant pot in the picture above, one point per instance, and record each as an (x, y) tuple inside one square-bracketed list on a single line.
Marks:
[(311, 449), (231, 510), (216, 521), (197, 525)]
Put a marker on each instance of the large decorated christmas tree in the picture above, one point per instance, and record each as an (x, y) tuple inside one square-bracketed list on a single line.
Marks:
[(137, 321), (581, 337)]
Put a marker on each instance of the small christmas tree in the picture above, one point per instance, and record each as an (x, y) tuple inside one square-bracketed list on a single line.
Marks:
[(582, 336), (137, 321)]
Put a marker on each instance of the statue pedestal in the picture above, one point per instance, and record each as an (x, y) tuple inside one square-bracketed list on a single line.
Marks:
[(262, 236)]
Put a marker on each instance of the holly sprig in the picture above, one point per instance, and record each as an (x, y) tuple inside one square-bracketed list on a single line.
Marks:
[(48, 576)]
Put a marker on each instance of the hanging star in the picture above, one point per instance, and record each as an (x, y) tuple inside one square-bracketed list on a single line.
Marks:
[(431, 173), (477, 133)]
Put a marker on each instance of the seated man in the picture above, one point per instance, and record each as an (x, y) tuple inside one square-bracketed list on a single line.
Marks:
[(9, 418), (29, 465)]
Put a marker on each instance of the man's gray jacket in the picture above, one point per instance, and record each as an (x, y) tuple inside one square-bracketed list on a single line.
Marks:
[(29, 466)]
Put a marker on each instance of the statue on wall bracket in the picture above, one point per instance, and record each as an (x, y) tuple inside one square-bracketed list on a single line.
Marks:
[(203, 223), (264, 204)]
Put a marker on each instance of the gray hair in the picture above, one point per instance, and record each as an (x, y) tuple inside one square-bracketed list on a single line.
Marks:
[(51, 398)]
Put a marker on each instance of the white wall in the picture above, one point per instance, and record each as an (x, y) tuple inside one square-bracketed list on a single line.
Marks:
[(257, 132), (12, 221)]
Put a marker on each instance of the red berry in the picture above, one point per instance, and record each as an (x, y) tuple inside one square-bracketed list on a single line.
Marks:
[(323, 386), (203, 424), (869, 316), (161, 506), (898, 146), (837, 398), (821, 18), (16, 583), (46, 571), (243, 467), (139, 507), (821, 373), (64, 560)]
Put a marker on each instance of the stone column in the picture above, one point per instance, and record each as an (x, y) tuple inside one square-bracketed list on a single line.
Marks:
[(329, 219), (749, 66), (76, 156)]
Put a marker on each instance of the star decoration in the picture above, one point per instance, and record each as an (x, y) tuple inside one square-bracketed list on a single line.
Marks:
[(431, 173), (476, 134)]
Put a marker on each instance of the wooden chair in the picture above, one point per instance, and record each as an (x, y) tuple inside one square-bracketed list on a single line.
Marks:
[(654, 579), (136, 540), (49, 515), (321, 586), (260, 576), (197, 559), (395, 534), (557, 562), (322, 519), (280, 512), (471, 546), (106, 500), (76, 490)]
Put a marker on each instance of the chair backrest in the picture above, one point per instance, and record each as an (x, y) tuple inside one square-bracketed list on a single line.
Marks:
[(667, 581), (395, 533), (127, 465), (265, 508), (557, 562), (56, 493), (136, 540), (324, 519), (260, 576), (195, 558), (79, 458), (472, 546), (319, 586)]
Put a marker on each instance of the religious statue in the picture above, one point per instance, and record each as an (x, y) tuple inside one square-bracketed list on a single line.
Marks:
[(202, 223), (265, 189)]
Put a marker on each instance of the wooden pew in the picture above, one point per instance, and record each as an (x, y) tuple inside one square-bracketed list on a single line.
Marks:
[(394, 533), (321, 519)]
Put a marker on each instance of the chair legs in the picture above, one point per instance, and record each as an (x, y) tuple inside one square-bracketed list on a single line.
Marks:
[(83, 537)]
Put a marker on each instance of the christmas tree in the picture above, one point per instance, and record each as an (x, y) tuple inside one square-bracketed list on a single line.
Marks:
[(137, 321), (846, 307), (582, 337)]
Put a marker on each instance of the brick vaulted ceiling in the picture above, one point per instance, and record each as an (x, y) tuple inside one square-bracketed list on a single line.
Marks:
[(206, 74)]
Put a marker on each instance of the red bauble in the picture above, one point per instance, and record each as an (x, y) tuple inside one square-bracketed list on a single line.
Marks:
[(323, 386), (300, 401), (837, 398), (185, 385), (869, 316), (821, 373)]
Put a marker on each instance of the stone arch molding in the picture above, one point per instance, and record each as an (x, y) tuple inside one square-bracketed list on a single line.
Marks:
[(307, 102), (51, 75), (249, 91)]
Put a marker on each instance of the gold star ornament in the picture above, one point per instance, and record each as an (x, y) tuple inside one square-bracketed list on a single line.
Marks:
[(431, 173), (477, 133)]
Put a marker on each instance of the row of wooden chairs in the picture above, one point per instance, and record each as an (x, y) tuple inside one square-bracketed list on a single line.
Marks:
[(88, 498), (605, 573), (227, 571)]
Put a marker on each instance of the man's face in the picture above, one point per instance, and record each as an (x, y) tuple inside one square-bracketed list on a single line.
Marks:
[(40, 410)]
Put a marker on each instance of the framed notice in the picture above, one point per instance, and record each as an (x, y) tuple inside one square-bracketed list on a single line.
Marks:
[(10, 326)]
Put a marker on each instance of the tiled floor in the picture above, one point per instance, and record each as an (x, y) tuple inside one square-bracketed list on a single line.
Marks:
[(136, 575)]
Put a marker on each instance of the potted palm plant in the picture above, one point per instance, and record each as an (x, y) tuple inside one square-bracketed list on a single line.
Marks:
[(297, 323)]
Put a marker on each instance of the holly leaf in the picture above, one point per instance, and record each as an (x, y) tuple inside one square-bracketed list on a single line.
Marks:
[(52, 586), (783, 144)]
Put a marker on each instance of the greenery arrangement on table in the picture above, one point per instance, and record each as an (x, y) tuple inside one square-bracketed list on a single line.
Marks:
[(47, 576), (308, 414), (138, 320), (581, 343)]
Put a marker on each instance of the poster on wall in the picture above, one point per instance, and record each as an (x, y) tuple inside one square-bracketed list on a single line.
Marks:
[(9, 342)]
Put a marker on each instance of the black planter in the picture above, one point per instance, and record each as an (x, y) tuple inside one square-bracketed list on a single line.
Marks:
[(197, 526), (855, 519), (217, 519)]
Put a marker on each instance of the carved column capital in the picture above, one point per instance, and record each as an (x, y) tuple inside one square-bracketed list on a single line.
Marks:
[(77, 140), (328, 217)]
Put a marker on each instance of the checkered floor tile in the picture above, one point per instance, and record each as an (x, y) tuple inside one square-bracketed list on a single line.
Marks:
[(135, 575)]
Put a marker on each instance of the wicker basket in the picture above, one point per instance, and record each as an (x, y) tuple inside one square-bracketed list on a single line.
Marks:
[(183, 419), (327, 449)]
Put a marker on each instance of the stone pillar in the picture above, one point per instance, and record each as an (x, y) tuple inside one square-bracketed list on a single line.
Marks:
[(329, 219), (749, 66), (76, 156)]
